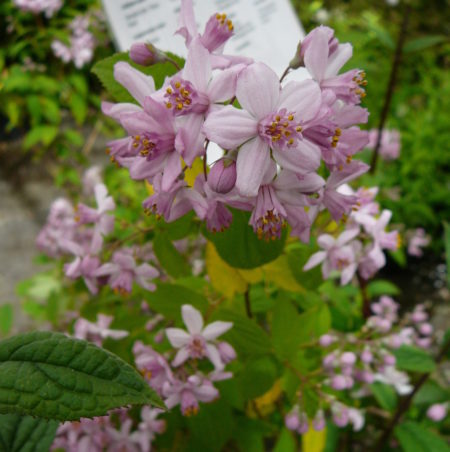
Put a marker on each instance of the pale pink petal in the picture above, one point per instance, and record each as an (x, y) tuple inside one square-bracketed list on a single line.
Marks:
[(206, 393), (326, 241), (258, 90), (172, 170), (192, 319), (338, 59), (347, 273), (252, 162), (190, 139), (137, 83), (315, 259), (177, 337), (214, 356), (302, 98), (346, 236), (181, 356), (223, 85), (316, 54), (197, 69), (229, 127), (304, 158), (215, 329), (186, 22), (115, 110)]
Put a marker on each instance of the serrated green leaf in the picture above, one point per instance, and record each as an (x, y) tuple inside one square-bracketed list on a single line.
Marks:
[(430, 393), (423, 43), (26, 434), (258, 376), (104, 70), (78, 107), (413, 437), (240, 247), (44, 134), (385, 395), (52, 376), (169, 257), (413, 359)]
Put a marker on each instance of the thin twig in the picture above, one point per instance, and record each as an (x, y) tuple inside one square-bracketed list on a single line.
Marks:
[(92, 138), (406, 402), (248, 306), (205, 172), (391, 87), (286, 71), (365, 296)]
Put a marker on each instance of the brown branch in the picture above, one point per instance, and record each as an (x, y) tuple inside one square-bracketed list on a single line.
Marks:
[(391, 87), (248, 306), (406, 402), (365, 296)]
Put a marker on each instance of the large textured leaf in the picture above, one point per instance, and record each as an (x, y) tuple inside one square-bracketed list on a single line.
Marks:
[(413, 437), (104, 70), (240, 247), (385, 395), (169, 257), (53, 376), (26, 434)]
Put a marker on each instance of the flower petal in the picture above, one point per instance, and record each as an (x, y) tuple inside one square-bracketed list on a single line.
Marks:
[(252, 162), (137, 83), (192, 319), (316, 54), (177, 337), (197, 69), (229, 127), (338, 59), (315, 259), (214, 356), (215, 329), (258, 90), (181, 356)]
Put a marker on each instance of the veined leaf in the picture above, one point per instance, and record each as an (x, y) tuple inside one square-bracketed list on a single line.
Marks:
[(52, 376), (413, 437), (26, 434)]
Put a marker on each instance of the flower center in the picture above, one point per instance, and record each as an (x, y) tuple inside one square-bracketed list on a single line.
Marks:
[(183, 98), (152, 145), (359, 80), (197, 349), (280, 129), (268, 227)]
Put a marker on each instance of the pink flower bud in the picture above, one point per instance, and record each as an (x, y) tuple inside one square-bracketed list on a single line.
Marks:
[(339, 382), (419, 316), (348, 359), (319, 421), (326, 340), (226, 351), (329, 360), (423, 342), (426, 329), (366, 356), (389, 360), (437, 412), (292, 421), (222, 176), (145, 54)]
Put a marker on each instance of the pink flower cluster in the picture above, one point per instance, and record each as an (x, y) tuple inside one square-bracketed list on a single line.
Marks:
[(273, 146), (182, 380), (80, 233), (359, 248), (107, 433), (49, 7), (417, 239), (390, 144), (82, 44)]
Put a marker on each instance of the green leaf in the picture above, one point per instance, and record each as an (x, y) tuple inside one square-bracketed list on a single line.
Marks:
[(78, 107), (167, 299), (429, 393), (44, 134), (240, 247), (246, 336), (447, 250), (314, 322), (6, 318), (381, 287), (104, 70), (258, 376), (413, 437), (423, 43), (413, 359), (53, 376), (169, 257), (385, 395), (286, 442), (26, 434)]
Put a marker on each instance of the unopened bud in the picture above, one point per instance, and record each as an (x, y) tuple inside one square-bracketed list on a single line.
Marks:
[(297, 61), (222, 176), (146, 54), (226, 351)]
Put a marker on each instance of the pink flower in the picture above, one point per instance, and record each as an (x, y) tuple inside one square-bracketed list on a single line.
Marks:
[(98, 331), (123, 271), (187, 394), (149, 427), (437, 412), (338, 255), (197, 343), (417, 241), (390, 143), (271, 119)]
